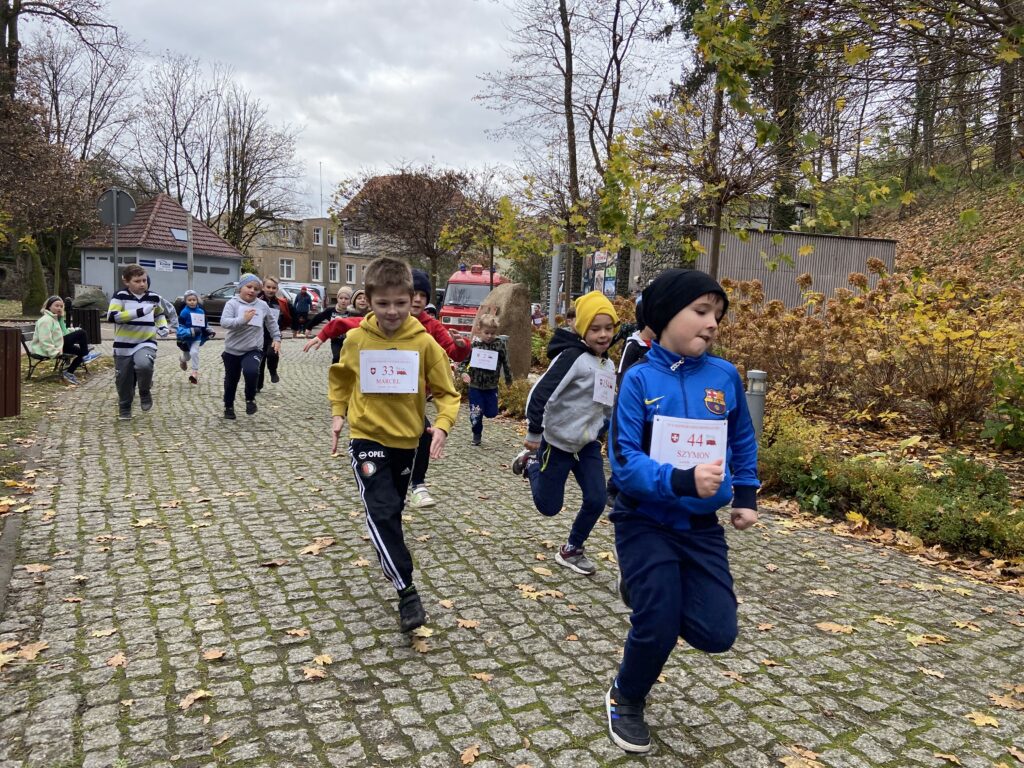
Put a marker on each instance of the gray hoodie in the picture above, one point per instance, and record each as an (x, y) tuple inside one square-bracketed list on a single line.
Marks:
[(561, 405), (242, 337)]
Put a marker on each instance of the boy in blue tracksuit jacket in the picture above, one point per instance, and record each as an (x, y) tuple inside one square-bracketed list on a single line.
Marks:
[(192, 333), (671, 548)]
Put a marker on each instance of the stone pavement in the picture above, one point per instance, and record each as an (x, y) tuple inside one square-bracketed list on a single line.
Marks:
[(161, 537)]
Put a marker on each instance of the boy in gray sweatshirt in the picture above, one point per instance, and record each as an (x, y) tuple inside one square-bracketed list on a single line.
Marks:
[(244, 318)]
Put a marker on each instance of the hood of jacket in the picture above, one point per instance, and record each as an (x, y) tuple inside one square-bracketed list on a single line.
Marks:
[(563, 339)]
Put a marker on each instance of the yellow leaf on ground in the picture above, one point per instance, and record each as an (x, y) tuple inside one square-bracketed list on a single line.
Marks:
[(320, 543), (143, 523), (420, 645), (323, 660), (824, 592), (215, 601), (297, 632), (37, 568), (919, 640), (540, 556), (608, 556), (103, 632), (7, 658), (1007, 701), (30, 651), (572, 637), (273, 563), (72, 599), (118, 660), (540, 569), (470, 754), (734, 676), (948, 758), (423, 632), (213, 654), (1017, 753), (932, 673), (770, 662), (981, 720), (967, 625), (314, 673), (467, 623), (771, 567), (765, 626), (361, 562), (485, 676), (193, 697), (446, 604), (6, 645), (831, 626), (885, 620), (221, 739)]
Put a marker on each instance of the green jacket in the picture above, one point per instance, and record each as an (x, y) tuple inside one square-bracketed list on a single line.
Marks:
[(48, 339)]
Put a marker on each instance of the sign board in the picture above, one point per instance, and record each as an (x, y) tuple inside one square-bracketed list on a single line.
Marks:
[(117, 201), (164, 265)]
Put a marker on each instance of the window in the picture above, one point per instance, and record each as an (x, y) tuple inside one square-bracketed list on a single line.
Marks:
[(181, 235), (287, 269), (352, 241), (314, 270), (318, 233), (330, 237), (220, 271), (350, 273), (334, 272)]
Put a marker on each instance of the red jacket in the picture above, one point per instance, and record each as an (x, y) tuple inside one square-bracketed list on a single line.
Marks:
[(338, 327), (436, 329)]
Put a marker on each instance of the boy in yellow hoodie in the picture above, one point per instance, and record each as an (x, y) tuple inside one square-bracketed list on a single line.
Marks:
[(380, 385)]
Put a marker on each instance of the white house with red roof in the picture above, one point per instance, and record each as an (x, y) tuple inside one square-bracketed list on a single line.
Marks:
[(157, 240)]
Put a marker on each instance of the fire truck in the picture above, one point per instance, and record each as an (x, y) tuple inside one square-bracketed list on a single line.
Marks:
[(466, 291)]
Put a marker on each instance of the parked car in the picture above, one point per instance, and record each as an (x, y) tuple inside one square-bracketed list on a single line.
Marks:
[(214, 301), (316, 291)]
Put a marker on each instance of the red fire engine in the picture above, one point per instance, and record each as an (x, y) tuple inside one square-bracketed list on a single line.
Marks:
[(466, 291)]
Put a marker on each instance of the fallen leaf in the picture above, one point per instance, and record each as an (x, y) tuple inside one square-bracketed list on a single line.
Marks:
[(765, 626), (172, 504), (30, 651), (981, 720), (273, 563), (540, 556), (572, 637), (1017, 753), (470, 754), (193, 697), (1006, 701), (770, 662), (362, 562), (608, 556), (103, 632), (314, 673), (213, 654), (118, 660), (143, 523), (72, 599), (485, 676), (885, 620), (127, 702), (919, 640), (320, 543), (540, 569), (215, 601), (423, 632), (824, 592), (948, 758), (734, 676), (467, 623), (838, 629), (299, 632), (221, 739), (37, 567), (771, 567), (967, 625), (6, 645), (446, 604), (420, 645), (423, 538), (7, 658), (932, 673), (323, 660)]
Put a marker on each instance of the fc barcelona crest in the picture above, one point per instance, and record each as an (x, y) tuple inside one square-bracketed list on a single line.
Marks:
[(714, 399)]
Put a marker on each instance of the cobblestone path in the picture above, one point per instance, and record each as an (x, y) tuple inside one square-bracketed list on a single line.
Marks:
[(183, 619)]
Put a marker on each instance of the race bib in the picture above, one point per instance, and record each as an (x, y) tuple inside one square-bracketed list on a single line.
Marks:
[(604, 388), (257, 319), (275, 312), (487, 359), (685, 443), (389, 371), (198, 321)]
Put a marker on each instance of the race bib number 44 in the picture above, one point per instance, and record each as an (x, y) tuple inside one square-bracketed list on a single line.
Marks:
[(685, 443), (389, 371)]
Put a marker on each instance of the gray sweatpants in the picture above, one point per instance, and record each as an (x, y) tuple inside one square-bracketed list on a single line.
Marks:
[(129, 369)]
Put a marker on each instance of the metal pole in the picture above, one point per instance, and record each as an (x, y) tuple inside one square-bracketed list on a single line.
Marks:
[(757, 386), (556, 261), (188, 249), (117, 277)]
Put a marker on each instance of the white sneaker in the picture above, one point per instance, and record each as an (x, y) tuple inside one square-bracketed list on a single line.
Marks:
[(421, 498)]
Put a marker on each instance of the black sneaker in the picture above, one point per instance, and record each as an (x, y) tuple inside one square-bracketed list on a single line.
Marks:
[(520, 462), (229, 413), (626, 723), (623, 591), (146, 401), (411, 613), (250, 407), (124, 415), (476, 441), (274, 378)]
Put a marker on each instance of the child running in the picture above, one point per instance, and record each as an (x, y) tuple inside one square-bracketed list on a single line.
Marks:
[(138, 316), (245, 317), (567, 410), (281, 312), (192, 334), (681, 446), (489, 358), (380, 385)]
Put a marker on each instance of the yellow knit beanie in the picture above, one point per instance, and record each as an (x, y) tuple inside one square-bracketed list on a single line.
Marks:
[(589, 306)]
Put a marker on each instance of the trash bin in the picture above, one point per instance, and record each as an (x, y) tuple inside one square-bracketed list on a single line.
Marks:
[(89, 321), (10, 372)]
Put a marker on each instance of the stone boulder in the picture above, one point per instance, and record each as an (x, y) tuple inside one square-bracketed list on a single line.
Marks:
[(510, 303), (91, 298)]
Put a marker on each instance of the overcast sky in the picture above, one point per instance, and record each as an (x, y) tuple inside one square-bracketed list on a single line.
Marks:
[(369, 83)]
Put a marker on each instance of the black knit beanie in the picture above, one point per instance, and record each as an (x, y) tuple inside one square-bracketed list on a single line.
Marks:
[(421, 282), (640, 322), (673, 290)]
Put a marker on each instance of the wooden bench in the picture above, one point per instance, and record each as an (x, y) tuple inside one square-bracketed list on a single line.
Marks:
[(60, 361)]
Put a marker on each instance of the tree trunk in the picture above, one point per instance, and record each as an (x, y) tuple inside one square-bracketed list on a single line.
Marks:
[(622, 271), (1002, 140), (717, 205), (572, 269), (787, 83), (716, 238), (9, 12)]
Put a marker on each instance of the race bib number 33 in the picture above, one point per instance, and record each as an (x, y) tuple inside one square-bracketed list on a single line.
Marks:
[(389, 371), (685, 443)]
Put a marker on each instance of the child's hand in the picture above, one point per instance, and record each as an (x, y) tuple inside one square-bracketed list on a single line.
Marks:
[(460, 340), (313, 343), (743, 517), (465, 378), (708, 478), (531, 445), (437, 440), (249, 314), (276, 346), (162, 331), (337, 422)]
